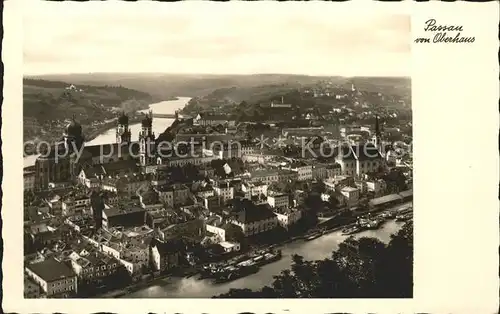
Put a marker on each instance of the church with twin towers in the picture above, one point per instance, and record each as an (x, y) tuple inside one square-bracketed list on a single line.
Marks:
[(62, 162)]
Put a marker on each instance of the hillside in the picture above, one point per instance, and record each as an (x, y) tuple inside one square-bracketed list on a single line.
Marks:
[(400, 86), (45, 100), (171, 85), (47, 105), (195, 85), (254, 94)]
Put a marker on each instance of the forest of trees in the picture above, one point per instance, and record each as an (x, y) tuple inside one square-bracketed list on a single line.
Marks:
[(360, 268)]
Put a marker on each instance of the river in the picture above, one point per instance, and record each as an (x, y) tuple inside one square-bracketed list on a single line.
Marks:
[(159, 125), (319, 248)]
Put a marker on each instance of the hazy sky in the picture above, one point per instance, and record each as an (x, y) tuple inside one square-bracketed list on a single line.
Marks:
[(127, 37)]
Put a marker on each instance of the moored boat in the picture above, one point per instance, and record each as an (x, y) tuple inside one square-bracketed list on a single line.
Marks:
[(267, 257), (404, 217), (272, 256), (313, 236), (239, 272), (373, 224), (259, 260), (351, 230), (387, 215)]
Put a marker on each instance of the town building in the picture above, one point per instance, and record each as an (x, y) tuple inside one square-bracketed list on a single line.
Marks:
[(164, 255), (356, 160), (96, 173), (330, 184), (206, 119), (304, 171), (385, 201), (224, 190), (288, 217), (211, 203), (94, 268), (333, 170), (285, 175), (224, 231), (255, 219), (31, 288), (376, 186), (251, 189), (80, 223), (319, 171), (351, 195), (29, 180), (205, 191), (75, 204), (278, 200), (180, 193), (55, 278), (265, 176), (128, 215), (127, 184), (193, 229), (149, 198), (257, 157)]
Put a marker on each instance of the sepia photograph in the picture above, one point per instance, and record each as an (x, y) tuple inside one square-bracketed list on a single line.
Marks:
[(225, 157)]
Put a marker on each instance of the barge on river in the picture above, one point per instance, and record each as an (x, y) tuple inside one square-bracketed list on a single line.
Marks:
[(351, 230), (223, 271), (404, 217), (314, 235), (238, 272)]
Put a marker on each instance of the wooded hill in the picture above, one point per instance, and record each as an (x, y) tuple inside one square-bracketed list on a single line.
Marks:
[(46, 100)]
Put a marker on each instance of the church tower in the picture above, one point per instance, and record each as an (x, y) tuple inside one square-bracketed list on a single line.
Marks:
[(146, 140), (377, 137), (123, 134), (74, 141), (73, 136)]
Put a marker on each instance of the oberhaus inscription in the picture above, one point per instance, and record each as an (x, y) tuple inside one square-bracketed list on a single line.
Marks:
[(444, 33)]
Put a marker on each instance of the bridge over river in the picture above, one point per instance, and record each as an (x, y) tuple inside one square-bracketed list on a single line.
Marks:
[(164, 115)]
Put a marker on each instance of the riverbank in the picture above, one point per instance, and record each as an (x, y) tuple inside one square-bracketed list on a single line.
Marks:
[(328, 227), (318, 249)]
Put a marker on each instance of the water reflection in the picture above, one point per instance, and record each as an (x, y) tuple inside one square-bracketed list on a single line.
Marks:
[(159, 124)]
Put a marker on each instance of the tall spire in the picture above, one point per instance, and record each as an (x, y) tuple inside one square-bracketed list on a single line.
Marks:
[(377, 127), (377, 137)]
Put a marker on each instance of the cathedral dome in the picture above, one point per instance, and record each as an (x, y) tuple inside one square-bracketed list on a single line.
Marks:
[(74, 129), (150, 196), (123, 119)]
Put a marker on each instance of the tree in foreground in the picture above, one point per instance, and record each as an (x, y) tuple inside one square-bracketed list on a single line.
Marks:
[(360, 268)]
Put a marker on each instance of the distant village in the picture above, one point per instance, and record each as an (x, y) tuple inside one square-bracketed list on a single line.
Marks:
[(114, 217)]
